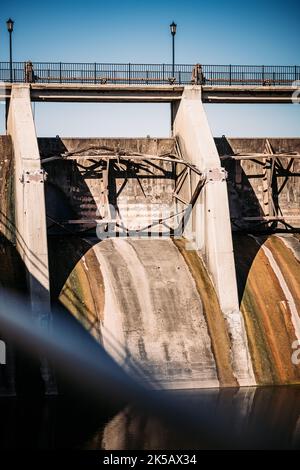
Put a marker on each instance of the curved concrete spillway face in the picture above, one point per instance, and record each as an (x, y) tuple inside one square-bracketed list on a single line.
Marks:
[(263, 188), (153, 316), (269, 286), (151, 304), (152, 321)]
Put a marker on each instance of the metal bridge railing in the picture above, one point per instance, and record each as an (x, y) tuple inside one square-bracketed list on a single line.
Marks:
[(149, 74)]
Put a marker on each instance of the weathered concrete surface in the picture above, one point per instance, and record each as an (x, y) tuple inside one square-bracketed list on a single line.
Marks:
[(85, 186), (29, 203), (248, 94), (30, 223), (269, 287), (12, 277), (221, 342), (49, 146), (80, 92), (79, 185), (92, 93), (211, 218), (246, 185), (74, 190), (7, 207), (162, 329), (151, 317), (10, 266)]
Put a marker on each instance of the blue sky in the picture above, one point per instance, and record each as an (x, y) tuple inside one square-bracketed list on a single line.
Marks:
[(216, 32)]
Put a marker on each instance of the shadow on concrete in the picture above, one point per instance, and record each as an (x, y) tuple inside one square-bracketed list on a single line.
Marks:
[(243, 202), (22, 370), (68, 197), (245, 249)]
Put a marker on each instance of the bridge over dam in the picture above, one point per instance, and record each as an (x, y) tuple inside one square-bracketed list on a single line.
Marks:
[(180, 255)]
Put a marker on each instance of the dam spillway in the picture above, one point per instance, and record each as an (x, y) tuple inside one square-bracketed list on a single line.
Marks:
[(168, 251), (268, 281)]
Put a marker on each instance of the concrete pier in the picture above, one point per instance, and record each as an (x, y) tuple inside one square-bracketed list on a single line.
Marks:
[(211, 220), (30, 217)]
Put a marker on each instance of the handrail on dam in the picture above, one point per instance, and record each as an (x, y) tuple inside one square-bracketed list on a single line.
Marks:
[(107, 155), (149, 74), (99, 154)]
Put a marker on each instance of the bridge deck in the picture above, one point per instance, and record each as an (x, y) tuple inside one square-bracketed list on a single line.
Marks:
[(154, 93)]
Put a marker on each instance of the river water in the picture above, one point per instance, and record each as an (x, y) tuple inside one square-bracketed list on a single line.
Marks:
[(269, 415)]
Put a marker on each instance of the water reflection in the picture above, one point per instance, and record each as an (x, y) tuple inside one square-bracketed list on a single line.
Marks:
[(57, 423)]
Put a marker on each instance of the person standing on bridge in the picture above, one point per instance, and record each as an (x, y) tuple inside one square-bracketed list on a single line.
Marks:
[(197, 75), (30, 76)]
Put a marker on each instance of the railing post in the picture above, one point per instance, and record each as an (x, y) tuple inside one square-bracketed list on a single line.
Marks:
[(230, 74), (60, 74), (129, 73), (95, 73), (263, 74)]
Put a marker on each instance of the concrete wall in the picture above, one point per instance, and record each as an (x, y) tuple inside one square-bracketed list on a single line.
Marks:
[(10, 267), (29, 201), (7, 208), (245, 182), (83, 188), (211, 220), (117, 286)]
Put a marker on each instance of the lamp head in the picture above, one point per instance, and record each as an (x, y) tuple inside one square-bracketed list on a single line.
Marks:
[(10, 25), (173, 27)]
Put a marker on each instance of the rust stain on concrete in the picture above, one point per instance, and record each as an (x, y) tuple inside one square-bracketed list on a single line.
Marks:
[(76, 281), (83, 297), (265, 307), (213, 314)]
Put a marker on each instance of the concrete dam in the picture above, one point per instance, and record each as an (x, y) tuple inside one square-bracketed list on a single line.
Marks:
[(179, 255)]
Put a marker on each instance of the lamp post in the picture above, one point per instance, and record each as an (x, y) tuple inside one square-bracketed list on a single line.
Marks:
[(173, 27), (10, 28)]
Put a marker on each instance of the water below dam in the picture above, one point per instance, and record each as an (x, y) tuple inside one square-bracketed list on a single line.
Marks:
[(272, 414)]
